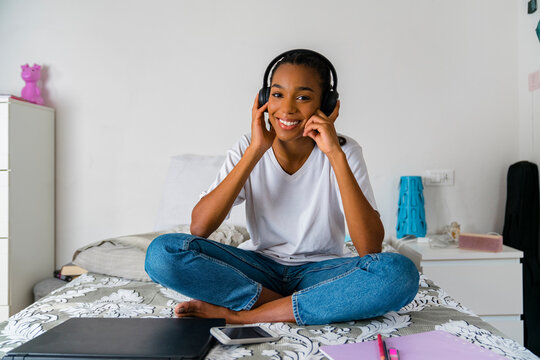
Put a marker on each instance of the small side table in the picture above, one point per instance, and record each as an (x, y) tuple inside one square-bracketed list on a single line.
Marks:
[(488, 283)]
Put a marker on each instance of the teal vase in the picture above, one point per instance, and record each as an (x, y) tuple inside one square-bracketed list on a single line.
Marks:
[(411, 213)]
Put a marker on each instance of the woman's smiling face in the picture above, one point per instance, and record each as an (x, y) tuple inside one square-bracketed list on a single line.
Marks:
[(295, 95)]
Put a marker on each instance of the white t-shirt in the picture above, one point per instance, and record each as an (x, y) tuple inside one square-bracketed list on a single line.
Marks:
[(296, 218)]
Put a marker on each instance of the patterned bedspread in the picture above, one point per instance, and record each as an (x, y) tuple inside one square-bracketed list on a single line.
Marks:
[(95, 295)]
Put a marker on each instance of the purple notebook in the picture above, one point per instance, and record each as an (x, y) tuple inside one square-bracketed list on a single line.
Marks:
[(430, 345)]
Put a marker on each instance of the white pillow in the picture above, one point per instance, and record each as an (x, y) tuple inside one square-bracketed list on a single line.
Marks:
[(124, 256), (188, 177)]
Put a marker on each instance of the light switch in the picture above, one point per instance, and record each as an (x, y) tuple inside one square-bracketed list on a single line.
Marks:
[(439, 178)]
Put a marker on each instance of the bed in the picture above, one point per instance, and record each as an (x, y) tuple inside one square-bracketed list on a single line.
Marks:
[(117, 286)]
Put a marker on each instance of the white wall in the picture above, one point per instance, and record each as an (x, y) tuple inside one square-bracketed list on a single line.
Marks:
[(529, 102), (424, 84)]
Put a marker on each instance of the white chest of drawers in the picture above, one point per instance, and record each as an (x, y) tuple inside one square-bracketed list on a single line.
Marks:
[(26, 201), (488, 283)]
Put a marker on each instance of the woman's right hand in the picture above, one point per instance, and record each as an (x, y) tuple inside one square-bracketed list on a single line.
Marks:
[(261, 138)]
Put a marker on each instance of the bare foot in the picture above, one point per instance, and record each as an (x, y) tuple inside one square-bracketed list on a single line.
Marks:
[(272, 311), (198, 308), (203, 309)]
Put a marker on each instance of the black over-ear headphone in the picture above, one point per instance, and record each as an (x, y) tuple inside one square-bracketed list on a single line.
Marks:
[(329, 99)]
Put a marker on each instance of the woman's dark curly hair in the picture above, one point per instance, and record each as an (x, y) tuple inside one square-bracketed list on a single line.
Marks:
[(310, 60)]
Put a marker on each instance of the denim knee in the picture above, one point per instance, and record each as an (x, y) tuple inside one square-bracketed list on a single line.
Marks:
[(405, 279), (157, 261), (396, 284), (378, 284)]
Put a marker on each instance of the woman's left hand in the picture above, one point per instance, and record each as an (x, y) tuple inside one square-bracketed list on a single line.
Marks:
[(321, 128)]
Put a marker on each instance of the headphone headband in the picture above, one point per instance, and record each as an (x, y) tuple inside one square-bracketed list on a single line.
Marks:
[(278, 58)]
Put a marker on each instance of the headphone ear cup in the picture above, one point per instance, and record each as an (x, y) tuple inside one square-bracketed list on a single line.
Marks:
[(329, 102), (264, 95)]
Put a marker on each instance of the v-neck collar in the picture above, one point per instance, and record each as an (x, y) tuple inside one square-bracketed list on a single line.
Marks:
[(298, 172)]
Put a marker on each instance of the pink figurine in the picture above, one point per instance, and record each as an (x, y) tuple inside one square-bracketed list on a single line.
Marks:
[(31, 76)]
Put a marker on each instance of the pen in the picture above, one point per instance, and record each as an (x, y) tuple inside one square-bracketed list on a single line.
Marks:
[(394, 354), (385, 350), (382, 352)]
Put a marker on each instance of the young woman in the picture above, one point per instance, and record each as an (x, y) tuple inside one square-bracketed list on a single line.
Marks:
[(300, 181)]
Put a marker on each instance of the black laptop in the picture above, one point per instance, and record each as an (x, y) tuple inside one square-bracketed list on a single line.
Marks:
[(133, 338)]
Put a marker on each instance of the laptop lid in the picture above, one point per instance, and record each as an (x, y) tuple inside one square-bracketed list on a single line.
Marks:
[(122, 338)]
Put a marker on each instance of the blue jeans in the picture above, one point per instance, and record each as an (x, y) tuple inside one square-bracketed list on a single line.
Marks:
[(335, 290)]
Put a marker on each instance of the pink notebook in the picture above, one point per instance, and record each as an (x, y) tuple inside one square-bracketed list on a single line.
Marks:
[(430, 345)]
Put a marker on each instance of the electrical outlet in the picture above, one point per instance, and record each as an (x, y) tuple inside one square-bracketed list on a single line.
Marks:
[(439, 178)]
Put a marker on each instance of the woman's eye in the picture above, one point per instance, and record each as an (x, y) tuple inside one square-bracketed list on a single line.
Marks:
[(276, 94), (303, 97)]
